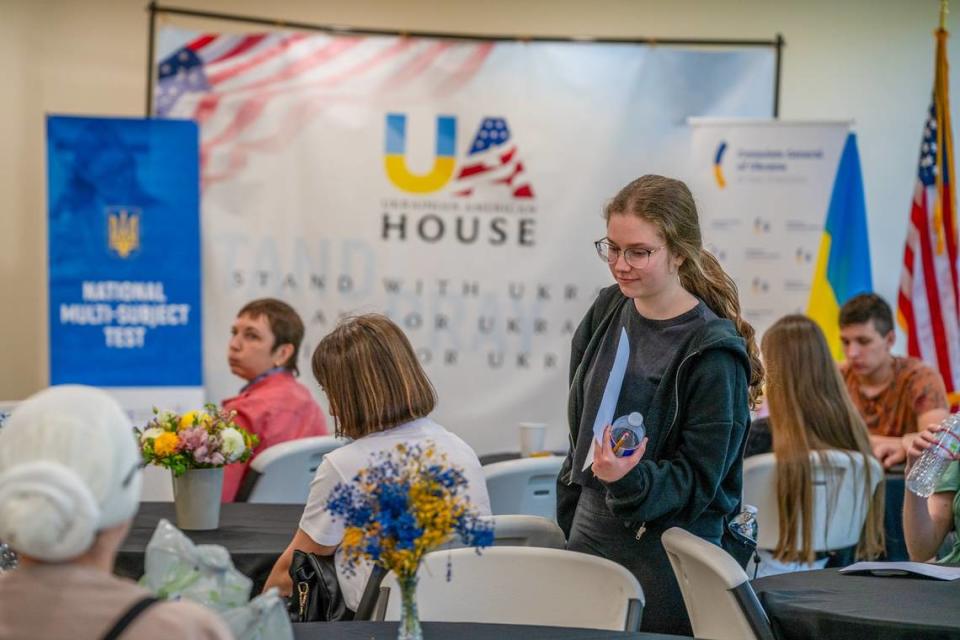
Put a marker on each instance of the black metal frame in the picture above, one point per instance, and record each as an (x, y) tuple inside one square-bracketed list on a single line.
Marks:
[(153, 9)]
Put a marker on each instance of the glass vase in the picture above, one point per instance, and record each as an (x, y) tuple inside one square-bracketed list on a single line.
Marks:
[(409, 620)]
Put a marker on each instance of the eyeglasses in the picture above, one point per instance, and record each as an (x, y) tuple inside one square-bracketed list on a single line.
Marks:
[(129, 478), (636, 258)]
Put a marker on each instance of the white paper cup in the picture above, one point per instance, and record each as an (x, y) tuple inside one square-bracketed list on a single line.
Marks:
[(532, 435)]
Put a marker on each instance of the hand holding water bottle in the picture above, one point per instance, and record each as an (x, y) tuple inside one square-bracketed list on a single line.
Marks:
[(930, 453), (608, 466)]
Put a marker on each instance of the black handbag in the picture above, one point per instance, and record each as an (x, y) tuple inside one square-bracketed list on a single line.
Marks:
[(316, 593)]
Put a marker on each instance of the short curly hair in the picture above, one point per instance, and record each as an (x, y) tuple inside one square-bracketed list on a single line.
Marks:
[(285, 324)]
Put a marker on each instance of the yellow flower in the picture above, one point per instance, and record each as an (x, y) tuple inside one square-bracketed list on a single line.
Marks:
[(194, 418), (352, 537), (187, 420), (166, 444)]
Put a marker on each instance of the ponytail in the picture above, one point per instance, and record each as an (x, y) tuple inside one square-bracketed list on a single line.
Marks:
[(703, 276)]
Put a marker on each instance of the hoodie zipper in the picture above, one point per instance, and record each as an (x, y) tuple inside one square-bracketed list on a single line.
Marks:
[(676, 411)]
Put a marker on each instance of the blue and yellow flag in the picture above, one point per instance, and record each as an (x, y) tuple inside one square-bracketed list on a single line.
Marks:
[(843, 261)]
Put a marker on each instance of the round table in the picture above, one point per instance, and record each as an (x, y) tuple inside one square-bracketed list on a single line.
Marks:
[(828, 604), (460, 631)]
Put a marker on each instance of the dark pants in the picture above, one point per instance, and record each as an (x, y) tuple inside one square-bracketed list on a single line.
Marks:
[(598, 532)]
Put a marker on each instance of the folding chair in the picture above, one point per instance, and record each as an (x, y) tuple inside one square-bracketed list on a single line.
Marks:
[(719, 599)]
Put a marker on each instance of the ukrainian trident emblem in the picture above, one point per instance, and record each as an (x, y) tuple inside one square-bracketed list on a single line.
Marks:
[(123, 230)]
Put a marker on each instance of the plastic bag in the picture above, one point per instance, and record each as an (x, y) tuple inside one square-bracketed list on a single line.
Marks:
[(175, 568), (264, 618)]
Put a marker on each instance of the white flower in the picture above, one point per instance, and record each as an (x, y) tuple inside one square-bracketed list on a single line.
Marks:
[(233, 445), (150, 434)]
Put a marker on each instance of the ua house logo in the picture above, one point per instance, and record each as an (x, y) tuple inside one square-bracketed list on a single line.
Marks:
[(492, 159)]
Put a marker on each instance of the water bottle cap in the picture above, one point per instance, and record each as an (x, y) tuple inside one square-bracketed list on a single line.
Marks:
[(635, 419)]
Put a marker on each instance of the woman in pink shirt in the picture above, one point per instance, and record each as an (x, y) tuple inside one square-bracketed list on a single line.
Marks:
[(264, 343)]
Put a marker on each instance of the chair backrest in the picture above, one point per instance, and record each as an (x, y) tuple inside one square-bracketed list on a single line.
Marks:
[(526, 531), (522, 585), (526, 486), (719, 599), (286, 469), (839, 482), (508, 531)]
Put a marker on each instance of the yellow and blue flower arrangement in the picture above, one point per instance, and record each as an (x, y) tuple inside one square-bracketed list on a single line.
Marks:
[(402, 506)]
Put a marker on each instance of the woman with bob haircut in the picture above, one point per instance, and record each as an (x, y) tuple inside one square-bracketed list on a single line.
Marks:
[(379, 397), (811, 411), (667, 341)]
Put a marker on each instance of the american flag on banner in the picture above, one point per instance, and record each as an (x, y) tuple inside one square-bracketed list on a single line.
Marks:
[(494, 160), (255, 92), (927, 304)]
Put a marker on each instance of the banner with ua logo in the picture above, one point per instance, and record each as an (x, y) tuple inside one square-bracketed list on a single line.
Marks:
[(124, 258), (454, 185)]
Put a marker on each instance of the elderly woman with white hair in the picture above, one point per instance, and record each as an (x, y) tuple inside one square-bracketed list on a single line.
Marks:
[(69, 488)]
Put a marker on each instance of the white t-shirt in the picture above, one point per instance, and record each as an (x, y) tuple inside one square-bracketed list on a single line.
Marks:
[(343, 464)]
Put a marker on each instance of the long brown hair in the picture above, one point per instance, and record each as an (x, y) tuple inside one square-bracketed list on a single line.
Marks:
[(371, 376), (668, 204), (810, 410)]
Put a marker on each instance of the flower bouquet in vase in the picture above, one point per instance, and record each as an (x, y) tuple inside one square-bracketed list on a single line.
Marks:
[(195, 446), (407, 502)]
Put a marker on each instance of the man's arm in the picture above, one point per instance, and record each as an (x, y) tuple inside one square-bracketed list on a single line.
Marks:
[(929, 399), (280, 574), (889, 450)]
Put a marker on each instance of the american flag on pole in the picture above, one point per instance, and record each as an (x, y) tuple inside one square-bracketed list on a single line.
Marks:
[(927, 304)]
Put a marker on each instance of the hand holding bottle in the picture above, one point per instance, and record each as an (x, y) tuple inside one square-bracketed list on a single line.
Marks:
[(931, 453), (608, 466), (923, 441)]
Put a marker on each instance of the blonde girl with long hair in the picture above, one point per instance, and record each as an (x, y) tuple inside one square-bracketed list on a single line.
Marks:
[(667, 341), (811, 412)]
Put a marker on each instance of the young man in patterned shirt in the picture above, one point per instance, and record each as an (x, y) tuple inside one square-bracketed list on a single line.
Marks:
[(896, 396)]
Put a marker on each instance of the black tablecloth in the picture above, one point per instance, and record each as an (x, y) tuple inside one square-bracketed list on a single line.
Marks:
[(460, 631), (254, 534), (828, 604)]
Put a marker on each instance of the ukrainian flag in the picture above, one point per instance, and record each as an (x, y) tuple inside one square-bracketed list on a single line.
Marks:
[(843, 262)]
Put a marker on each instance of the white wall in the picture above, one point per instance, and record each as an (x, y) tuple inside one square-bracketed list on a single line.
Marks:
[(867, 60)]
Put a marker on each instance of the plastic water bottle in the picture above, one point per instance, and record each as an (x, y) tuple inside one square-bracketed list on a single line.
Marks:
[(745, 522), (8, 558), (626, 434), (926, 472)]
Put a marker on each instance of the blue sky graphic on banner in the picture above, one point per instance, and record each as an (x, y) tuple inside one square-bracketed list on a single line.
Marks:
[(124, 252)]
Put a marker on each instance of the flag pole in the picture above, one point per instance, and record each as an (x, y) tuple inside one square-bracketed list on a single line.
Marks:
[(944, 10)]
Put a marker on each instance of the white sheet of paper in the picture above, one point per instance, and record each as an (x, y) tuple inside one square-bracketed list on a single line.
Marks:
[(611, 394), (936, 571)]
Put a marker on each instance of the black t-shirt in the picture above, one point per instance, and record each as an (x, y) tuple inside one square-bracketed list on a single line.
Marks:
[(654, 344)]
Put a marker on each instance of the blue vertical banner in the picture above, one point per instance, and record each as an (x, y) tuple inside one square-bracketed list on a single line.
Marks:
[(124, 252)]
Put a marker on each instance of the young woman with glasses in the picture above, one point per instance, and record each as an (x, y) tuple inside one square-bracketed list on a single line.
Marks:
[(666, 341)]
